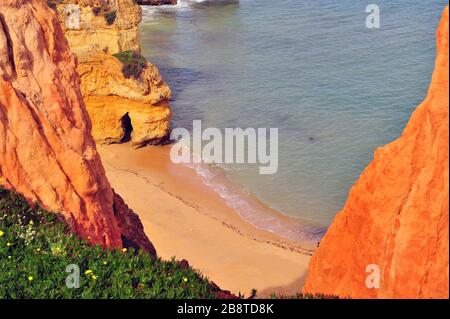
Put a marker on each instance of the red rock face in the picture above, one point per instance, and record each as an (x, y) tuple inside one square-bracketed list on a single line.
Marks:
[(397, 213), (47, 152)]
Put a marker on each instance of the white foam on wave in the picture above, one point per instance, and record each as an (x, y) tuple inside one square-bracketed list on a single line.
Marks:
[(260, 218), (151, 11), (242, 202)]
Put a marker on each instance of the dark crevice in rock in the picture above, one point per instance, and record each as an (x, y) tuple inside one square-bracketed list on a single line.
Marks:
[(127, 128), (9, 43)]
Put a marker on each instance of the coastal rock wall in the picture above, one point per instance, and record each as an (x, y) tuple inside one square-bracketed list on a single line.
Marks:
[(47, 152), (397, 214), (125, 95)]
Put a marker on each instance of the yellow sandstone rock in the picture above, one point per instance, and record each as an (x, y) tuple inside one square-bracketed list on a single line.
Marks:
[(118, 105), (121, 106), (104, 25)]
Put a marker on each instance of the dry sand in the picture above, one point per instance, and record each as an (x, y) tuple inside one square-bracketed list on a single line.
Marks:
[(186, 219)]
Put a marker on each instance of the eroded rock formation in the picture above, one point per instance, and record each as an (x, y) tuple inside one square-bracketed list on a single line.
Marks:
[(397, 214), (124, 94), (47, 152)]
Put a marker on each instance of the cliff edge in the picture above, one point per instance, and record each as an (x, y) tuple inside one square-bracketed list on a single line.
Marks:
[(47, 152), (391, 239)]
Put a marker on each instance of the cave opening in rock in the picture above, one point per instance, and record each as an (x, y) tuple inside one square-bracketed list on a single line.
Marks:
[(127, 128)]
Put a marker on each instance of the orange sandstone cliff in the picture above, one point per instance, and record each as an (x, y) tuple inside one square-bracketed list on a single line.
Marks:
[(47, 152), (395, 221)]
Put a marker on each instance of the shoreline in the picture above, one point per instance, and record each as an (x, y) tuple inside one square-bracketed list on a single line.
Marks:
[(186, 219)]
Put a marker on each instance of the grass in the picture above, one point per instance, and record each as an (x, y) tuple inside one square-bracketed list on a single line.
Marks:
[(133, 63), (36, 247)]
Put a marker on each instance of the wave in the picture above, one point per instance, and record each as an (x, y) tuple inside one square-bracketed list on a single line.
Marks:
[(250, 208), (148, 11)]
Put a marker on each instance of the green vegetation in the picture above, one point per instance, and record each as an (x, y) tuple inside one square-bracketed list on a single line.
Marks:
[(96, 10), (52, 4), (37, 246), (110, 17), (133, 63), (108, 13)]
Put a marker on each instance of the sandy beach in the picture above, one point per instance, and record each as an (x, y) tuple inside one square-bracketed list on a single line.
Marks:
[(186, 219)]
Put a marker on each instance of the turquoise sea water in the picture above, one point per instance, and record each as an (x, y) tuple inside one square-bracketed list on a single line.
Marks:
[(335, 89)]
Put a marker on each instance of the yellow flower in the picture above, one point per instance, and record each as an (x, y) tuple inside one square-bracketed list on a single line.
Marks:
[(88, 272), (124, 250), (105, 263), (30, 278), (8, 244), (1, 233), (31, 222), (94, 277), (185, 279)]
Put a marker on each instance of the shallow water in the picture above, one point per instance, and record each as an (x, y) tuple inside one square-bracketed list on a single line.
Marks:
[(335, 89)]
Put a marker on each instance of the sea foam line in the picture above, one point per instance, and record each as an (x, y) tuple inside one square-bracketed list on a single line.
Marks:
[(289, 228)]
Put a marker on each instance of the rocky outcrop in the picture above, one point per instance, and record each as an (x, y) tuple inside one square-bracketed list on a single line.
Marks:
[(47, 152), (118, 105), (108, 26), (125, 95), (395, 221)]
